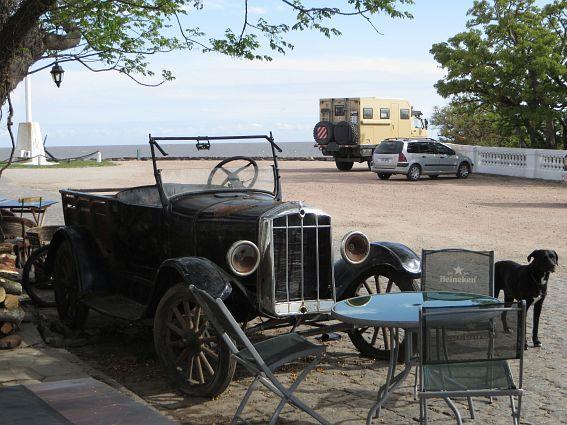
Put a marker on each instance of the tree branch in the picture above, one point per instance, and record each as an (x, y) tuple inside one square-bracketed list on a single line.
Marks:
[(9, 125)]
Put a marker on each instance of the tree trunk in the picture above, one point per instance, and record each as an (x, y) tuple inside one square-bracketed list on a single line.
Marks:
[(563, 122), (21, 40), (532, 133), (550, 134)]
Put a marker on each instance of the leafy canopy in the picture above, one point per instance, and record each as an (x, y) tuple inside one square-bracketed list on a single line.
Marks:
[(121, 34), (511, 59)]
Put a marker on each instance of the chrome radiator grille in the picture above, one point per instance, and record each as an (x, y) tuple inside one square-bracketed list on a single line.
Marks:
[(302, 263)]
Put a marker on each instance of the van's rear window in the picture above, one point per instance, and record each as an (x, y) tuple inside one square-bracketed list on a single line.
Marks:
[(390, 146)]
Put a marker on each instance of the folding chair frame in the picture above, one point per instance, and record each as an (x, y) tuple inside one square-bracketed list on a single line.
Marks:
[(263, 373), (490, 292), (515, 392)]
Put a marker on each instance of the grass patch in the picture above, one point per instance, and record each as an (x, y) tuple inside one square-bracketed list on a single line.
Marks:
[(64, 164)]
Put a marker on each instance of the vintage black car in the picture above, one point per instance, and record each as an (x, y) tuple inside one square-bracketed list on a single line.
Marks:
[(132, 253)]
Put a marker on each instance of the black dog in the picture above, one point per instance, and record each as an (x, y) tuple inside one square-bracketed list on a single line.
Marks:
[(526, 282)]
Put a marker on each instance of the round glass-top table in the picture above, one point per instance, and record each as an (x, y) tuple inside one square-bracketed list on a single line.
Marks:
[(399, 310)]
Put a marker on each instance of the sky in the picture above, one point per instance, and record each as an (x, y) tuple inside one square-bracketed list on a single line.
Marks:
[(214, 95)]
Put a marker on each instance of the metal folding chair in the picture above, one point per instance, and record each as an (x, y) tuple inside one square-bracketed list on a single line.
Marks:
[(264, 357), (37, 212), (457, 270), (475, 363)]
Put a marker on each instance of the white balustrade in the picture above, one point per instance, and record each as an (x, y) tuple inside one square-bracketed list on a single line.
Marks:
[(529, 163)]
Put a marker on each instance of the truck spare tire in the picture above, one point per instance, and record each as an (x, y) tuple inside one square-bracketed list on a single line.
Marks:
[(346, 133), (323, 132)]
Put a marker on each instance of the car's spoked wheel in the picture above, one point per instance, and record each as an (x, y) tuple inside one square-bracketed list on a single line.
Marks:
[(374, 342), (71, 311), (37, 280), (195, 357)]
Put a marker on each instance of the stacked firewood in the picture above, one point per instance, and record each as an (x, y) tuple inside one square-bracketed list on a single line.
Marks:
[(11, 313)]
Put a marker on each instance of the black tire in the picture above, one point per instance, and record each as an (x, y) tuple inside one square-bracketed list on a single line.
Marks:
[(323, 132), (72, 312), (37, 281), (369, 164), (345, 133), (433, 176), (383, 176), (370, 341), (198, 362), (464, 170), (344, 166), (414, 172)]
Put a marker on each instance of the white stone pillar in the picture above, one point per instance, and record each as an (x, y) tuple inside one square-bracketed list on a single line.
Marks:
[(29, 141)]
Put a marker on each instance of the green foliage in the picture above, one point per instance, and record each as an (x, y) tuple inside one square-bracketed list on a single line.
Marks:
[(123, 33), (468, 124), (511, 61)]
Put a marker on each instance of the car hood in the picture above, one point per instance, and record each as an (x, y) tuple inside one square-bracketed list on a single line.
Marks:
[(226, 206)]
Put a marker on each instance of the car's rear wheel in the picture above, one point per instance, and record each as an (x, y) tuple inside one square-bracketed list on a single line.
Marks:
[(374, 342), (383, 176), (344, 165), (414, 172), (72, 312), (463, 171), (193, 354)]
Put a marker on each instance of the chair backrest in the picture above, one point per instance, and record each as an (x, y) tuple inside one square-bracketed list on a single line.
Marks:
[(458, 270), (224, 322), (473, 333), (30, 200)]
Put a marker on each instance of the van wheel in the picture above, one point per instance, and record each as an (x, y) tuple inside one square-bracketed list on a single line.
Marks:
[(344, 166), (383, 176), (414, 172), (463, 171)]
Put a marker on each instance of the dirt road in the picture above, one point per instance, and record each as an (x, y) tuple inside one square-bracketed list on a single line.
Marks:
[(510, 216)]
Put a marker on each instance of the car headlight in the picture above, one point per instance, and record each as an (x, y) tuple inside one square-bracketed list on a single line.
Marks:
[(414, 265), (355, 247), (243, 258)]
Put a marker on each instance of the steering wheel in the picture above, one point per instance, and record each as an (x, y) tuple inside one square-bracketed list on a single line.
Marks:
[(232, 180)]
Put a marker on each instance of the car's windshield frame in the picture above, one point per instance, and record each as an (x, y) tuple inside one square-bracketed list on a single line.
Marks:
[(203, 142)]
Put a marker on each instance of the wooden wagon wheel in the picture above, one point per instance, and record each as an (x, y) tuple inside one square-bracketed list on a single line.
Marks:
[(374, 341), (37, 280), (72, 311), (193, 354)]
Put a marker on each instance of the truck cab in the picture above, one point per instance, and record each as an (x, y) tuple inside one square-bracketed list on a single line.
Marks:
[(350, 128)]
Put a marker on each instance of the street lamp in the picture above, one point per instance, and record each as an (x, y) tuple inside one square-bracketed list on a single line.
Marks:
[(57, 74)]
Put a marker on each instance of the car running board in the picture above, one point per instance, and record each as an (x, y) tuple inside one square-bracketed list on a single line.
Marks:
[(116, 305)]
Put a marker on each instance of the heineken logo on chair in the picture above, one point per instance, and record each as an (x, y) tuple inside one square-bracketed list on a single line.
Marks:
[(458, 275)]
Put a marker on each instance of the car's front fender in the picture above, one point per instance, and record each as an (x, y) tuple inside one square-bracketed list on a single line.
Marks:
[(396, 256), (198, 271)]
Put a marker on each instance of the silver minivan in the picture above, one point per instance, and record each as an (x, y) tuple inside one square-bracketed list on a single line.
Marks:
[(416, 157)]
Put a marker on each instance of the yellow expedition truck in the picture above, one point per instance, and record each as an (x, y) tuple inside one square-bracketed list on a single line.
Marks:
[(350, 128)]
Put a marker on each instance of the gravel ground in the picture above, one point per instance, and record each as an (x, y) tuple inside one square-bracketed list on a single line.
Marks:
[(508, 215)]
